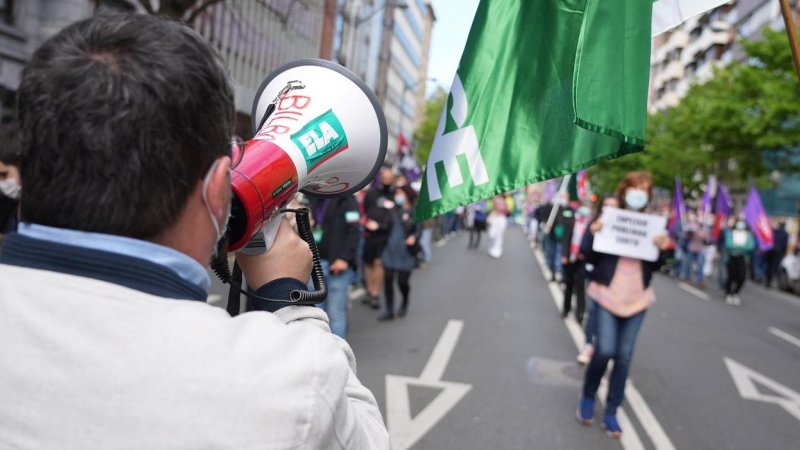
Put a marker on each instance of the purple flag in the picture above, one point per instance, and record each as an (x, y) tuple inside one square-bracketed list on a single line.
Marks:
[(678, 209), (550, 190), (723, 210), (756, 218)]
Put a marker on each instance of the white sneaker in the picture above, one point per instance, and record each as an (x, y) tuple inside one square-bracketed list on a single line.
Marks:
[(729, 299), (586, 354), (737, 300)]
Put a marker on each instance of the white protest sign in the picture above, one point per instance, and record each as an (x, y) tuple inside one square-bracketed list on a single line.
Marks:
[(628, 233)]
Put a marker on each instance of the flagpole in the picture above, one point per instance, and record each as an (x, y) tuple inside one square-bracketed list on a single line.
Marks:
[(791, 31), (554, 211)]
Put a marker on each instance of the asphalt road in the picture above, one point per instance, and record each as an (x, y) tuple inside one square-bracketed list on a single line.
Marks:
[(484, 361)]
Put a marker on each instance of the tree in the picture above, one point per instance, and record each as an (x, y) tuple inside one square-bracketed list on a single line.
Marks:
[(740, 125), (426, 131)]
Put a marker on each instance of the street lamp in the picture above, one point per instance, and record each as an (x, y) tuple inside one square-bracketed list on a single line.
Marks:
[(344, 59)]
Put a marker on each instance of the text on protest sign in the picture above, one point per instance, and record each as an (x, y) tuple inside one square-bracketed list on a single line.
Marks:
[(628, 233)]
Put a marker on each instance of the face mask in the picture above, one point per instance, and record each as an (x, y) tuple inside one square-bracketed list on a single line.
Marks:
[(11, 188), (741, 225), (220, 229), (400, 200), (636, 199), (584, 211)]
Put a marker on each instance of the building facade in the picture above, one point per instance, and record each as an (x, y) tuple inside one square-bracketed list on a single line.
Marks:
[(254, 36), (687, 54), (387, 44)]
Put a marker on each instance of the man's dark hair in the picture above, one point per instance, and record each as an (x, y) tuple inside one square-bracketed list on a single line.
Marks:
[(120, 116), (10, 148)]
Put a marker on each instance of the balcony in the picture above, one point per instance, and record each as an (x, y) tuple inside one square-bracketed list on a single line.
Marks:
[(718, 35)]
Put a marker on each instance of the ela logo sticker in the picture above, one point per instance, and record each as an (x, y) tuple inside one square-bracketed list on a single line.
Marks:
[(320, 139)]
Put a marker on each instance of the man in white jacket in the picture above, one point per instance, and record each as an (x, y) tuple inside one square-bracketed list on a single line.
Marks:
[(107, 342)]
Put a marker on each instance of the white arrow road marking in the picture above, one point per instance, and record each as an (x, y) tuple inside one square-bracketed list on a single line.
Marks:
[(785, 336), (405, 430), (746, 378), (630, 438)]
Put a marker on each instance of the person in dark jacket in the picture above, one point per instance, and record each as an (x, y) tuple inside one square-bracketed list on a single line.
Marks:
[(400, 254), (778, 251), (572, 260), (621, 288), (378, 206), (10, 181), (336, 230)]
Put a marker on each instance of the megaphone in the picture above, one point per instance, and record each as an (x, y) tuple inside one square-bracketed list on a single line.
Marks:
[(319, 130)]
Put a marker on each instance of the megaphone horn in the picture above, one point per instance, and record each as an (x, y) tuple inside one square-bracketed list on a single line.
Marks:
[(319, 130)]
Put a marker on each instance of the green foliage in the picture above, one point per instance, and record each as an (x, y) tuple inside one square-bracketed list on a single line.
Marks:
[(740, 125), (427, 127)]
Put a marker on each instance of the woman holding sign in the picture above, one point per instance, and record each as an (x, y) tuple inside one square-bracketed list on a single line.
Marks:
[(620, 286)]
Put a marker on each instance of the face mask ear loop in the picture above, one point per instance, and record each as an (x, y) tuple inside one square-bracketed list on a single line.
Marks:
[(206, 181)]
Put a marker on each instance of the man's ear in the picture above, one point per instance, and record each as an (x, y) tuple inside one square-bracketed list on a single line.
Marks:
[(219, 189)]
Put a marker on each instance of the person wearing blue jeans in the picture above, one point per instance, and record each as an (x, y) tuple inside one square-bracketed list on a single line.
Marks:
[(621, 293), (696, 259), (337, 232), (696, 234), (336, 303), (616, 337)]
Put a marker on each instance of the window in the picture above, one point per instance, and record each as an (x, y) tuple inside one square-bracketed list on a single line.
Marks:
[(423, 8), (412, 21), (406, 44), (6, 11)]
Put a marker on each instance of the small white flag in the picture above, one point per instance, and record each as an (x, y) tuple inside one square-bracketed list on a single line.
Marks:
[(668, 14)]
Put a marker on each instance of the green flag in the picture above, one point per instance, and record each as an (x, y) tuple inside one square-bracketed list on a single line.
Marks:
[(544, 88)]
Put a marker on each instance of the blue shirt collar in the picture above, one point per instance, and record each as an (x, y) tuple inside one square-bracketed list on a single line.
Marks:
[(179, 263)]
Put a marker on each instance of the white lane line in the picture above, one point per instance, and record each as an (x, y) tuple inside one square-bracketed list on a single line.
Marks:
[(434, 368), (694, 291), (785, 336), (630, 439), (405, 430)]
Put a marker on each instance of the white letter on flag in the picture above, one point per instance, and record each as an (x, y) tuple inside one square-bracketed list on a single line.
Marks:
[(446, 147)]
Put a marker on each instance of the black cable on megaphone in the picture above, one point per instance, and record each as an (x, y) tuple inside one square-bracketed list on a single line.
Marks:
[(297, 297)]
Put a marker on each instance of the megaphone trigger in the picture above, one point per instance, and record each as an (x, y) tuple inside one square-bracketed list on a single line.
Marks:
[(265, 237)]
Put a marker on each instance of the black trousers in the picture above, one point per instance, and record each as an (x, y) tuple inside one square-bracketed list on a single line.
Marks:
[(737, 272), (388, 285), (773, 265), (575, 281)]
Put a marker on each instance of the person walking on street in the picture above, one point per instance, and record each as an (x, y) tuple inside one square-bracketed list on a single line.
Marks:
[(552, 235), (378, 206), (425, 240), (572, 262), (696, 234), (478, 225), (739, 244), (498, 220), (590, 332), (400, 254), (337, 223), (775, 255), (621, 288)]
